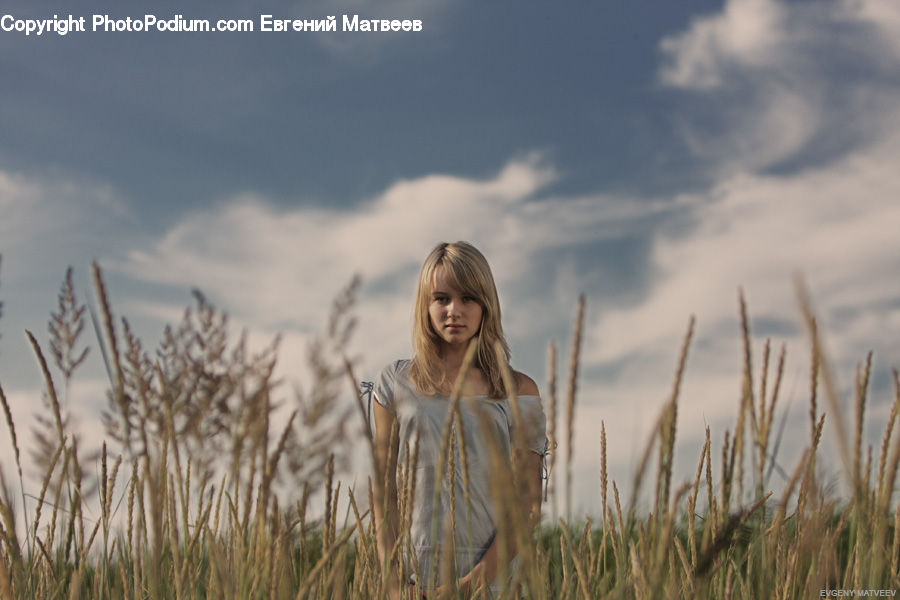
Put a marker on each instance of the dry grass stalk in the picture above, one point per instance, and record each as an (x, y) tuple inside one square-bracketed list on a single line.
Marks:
[(327, 555), (686, 573), (664, 542), (552, 442), (668, 425), (767, 417), (446, 434), (49, 387), (887, 474), (746, 404), (48, 474), (571, 390), (449, 535), (895, 550), (564, 586), (862, 385), (692, 503), (515, 492), (825, 374), (382, 496), (364, 415), (619, 520), (65, 328), (710, 495), (409, 494), (112, 355), (640, 587), (813, 374), (178, 540), (763, 421), (509, 382), (807, 484), (7, 413), (603, 473), (735, 521), (580, 573), (8, 535), (460, 440), (728, 454), (587, 547)]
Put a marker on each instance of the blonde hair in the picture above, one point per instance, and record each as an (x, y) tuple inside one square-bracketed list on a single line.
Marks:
[(467, 270)]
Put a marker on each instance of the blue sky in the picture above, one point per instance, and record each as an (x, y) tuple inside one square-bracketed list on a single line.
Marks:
[(654, 155)]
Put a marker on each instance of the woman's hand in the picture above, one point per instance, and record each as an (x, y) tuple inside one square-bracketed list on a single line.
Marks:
[(406, 592), (463, 585)]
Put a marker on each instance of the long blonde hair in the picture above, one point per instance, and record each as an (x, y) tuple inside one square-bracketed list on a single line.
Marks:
[(467, 270)]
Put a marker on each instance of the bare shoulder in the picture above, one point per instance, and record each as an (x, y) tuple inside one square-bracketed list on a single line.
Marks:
[(526, 385)]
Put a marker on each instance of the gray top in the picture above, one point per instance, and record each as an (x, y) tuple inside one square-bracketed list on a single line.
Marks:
[(425, 416)]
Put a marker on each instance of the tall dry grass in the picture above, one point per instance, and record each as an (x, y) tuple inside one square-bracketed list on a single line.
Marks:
[(203, 490)]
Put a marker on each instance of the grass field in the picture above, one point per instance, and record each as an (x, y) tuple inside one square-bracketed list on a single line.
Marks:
[(201, 467)]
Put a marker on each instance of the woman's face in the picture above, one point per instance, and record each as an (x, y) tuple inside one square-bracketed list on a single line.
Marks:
[(455, 315)]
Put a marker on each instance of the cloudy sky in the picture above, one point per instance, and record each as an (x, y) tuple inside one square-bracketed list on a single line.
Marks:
[(653, 155)]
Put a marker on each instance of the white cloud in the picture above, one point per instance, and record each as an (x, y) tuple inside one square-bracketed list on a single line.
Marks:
[(85, 399), (833, 220), (281, 268), (884, 18), (49, 222), (746, 32), (278, 269), (759, 70), (836, 226), (53, 214), (776, 81)]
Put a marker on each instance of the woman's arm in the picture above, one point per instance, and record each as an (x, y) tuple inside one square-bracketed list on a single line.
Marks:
[(529, 466), (489, 566), (387, 519)]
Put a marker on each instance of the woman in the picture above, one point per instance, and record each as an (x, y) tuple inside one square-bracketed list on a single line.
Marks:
[(455, 537)]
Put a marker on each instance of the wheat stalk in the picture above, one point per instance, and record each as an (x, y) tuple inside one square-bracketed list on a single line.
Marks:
[(571, 389), (551, 425)]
